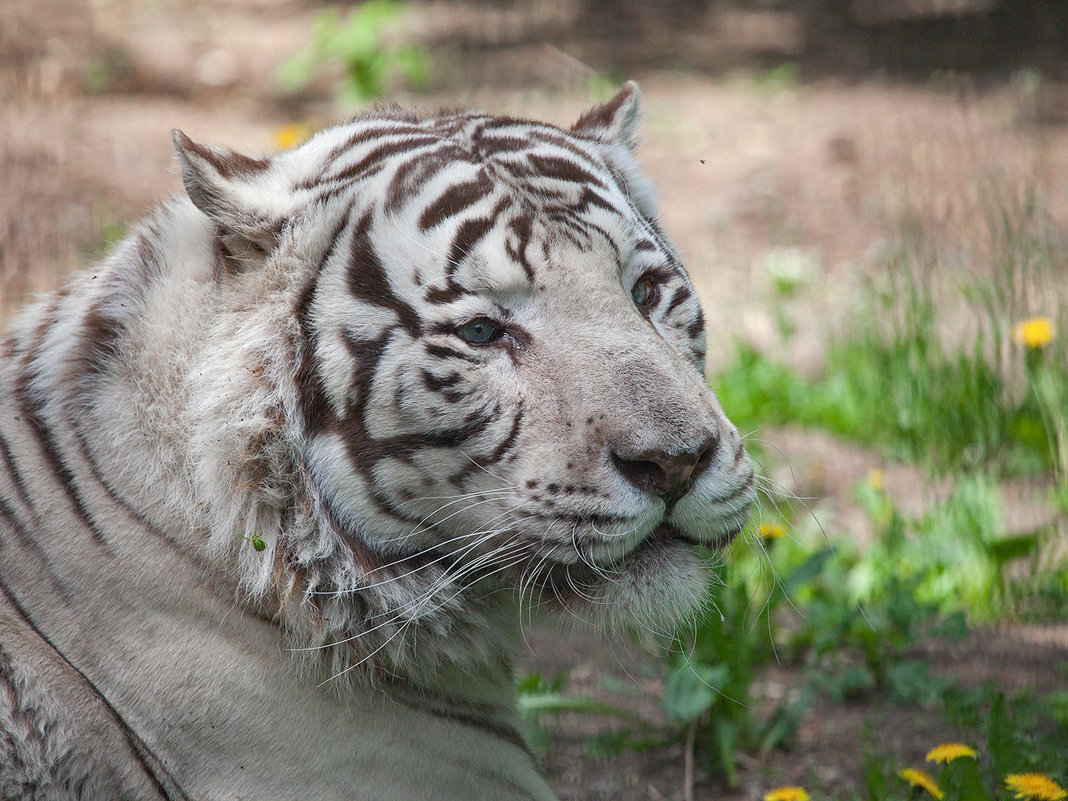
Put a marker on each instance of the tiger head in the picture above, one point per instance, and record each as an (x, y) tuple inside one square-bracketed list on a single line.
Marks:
[(497, 363)]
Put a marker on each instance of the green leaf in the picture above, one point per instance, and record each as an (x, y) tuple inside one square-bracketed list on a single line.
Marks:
[(783, 724), (692, 689), (960, 780), (807, 571), (1009, 548), (726, 734), (539, 702), (999, 737), (911, 683), (875, 775)]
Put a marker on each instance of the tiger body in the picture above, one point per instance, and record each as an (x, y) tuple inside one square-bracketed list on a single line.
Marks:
[(282, 477)]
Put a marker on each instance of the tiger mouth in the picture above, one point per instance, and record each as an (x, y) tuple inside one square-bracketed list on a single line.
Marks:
[(667, 533), (572, 578)]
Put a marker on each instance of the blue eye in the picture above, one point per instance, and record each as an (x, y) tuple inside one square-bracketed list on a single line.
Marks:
[(479, 331), (644, 292)]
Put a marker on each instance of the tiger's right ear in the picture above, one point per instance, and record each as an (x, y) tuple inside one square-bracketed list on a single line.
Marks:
[(237, 191), (615, 121)]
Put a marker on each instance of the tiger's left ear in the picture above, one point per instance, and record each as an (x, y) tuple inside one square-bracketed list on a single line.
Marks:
[(238, 192), (615, 121)]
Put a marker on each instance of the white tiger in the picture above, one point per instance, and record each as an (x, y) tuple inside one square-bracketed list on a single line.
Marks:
[(281, 477)]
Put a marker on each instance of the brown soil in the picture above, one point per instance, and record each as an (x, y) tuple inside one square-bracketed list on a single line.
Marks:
[(752, 168)]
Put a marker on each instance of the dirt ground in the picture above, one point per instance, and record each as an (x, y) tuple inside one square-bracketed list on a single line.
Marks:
[(754, 166)]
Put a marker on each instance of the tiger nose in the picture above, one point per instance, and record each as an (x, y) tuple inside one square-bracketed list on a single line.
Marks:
[(669, 475)]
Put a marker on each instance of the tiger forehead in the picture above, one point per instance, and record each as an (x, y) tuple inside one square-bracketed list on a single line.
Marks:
[(495, 202), (477, 153)]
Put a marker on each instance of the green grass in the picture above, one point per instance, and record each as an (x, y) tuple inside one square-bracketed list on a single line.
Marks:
[(357, 44), (930, 368), (914, 397)]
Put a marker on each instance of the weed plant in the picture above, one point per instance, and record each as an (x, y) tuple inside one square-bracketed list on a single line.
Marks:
[(953, 360), (955, 555), (793, 599), (358, 46), (1021, 742)]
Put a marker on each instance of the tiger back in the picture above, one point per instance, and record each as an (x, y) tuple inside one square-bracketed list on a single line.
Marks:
[(282, 478)]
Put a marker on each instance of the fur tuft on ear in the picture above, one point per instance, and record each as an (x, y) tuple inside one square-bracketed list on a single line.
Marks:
[(615, 121), (234, 190)]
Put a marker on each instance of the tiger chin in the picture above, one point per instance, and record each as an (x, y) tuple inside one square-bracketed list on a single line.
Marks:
[(282, 478)]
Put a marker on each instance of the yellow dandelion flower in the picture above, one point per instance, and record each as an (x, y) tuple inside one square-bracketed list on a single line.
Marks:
[(291, 135), (772, 531), (920, 778), (876, 477), (1035, 785), (1034, 333), (787, 794), (947, 752)]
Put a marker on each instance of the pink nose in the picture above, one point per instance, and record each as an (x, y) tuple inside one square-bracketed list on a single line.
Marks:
[(669, 475)]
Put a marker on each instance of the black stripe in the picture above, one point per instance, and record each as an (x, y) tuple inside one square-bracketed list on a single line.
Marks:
[(366, 354), (554, 136), (455, 200), (501, 731), (365, 134), (150, 764), (49, 448), (444, 386), (413, 174), (367, 452), (364, 450), (12, 518), (445, 352), (562, 169), (697, 327), (12, 469), (315, 407), (520, 226), (435, 384), (607, 237), (368, 280), (27, 540), (452, 291), (591, 197), (511, 144), (370, 164), (481, 462), (681, 295), (468, 234), (99, 342)]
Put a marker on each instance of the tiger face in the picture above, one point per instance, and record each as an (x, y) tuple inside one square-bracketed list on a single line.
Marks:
[(499, 364)]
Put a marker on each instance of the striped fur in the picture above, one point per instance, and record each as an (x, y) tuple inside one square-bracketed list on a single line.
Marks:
[(271, 516)]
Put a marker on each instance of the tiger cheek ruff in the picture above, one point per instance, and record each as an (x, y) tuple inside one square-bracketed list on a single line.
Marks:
[(283, 476)]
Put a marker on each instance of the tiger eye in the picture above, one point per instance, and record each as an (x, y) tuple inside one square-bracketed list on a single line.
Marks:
[(644, 291), (479, 331)]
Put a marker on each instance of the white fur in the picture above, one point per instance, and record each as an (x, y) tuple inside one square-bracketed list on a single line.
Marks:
[(210, 594)]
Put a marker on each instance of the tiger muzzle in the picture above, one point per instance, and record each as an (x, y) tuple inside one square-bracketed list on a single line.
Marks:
[(669, 475)]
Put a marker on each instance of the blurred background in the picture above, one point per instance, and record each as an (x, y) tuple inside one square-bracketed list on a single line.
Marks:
[(872, 199)]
